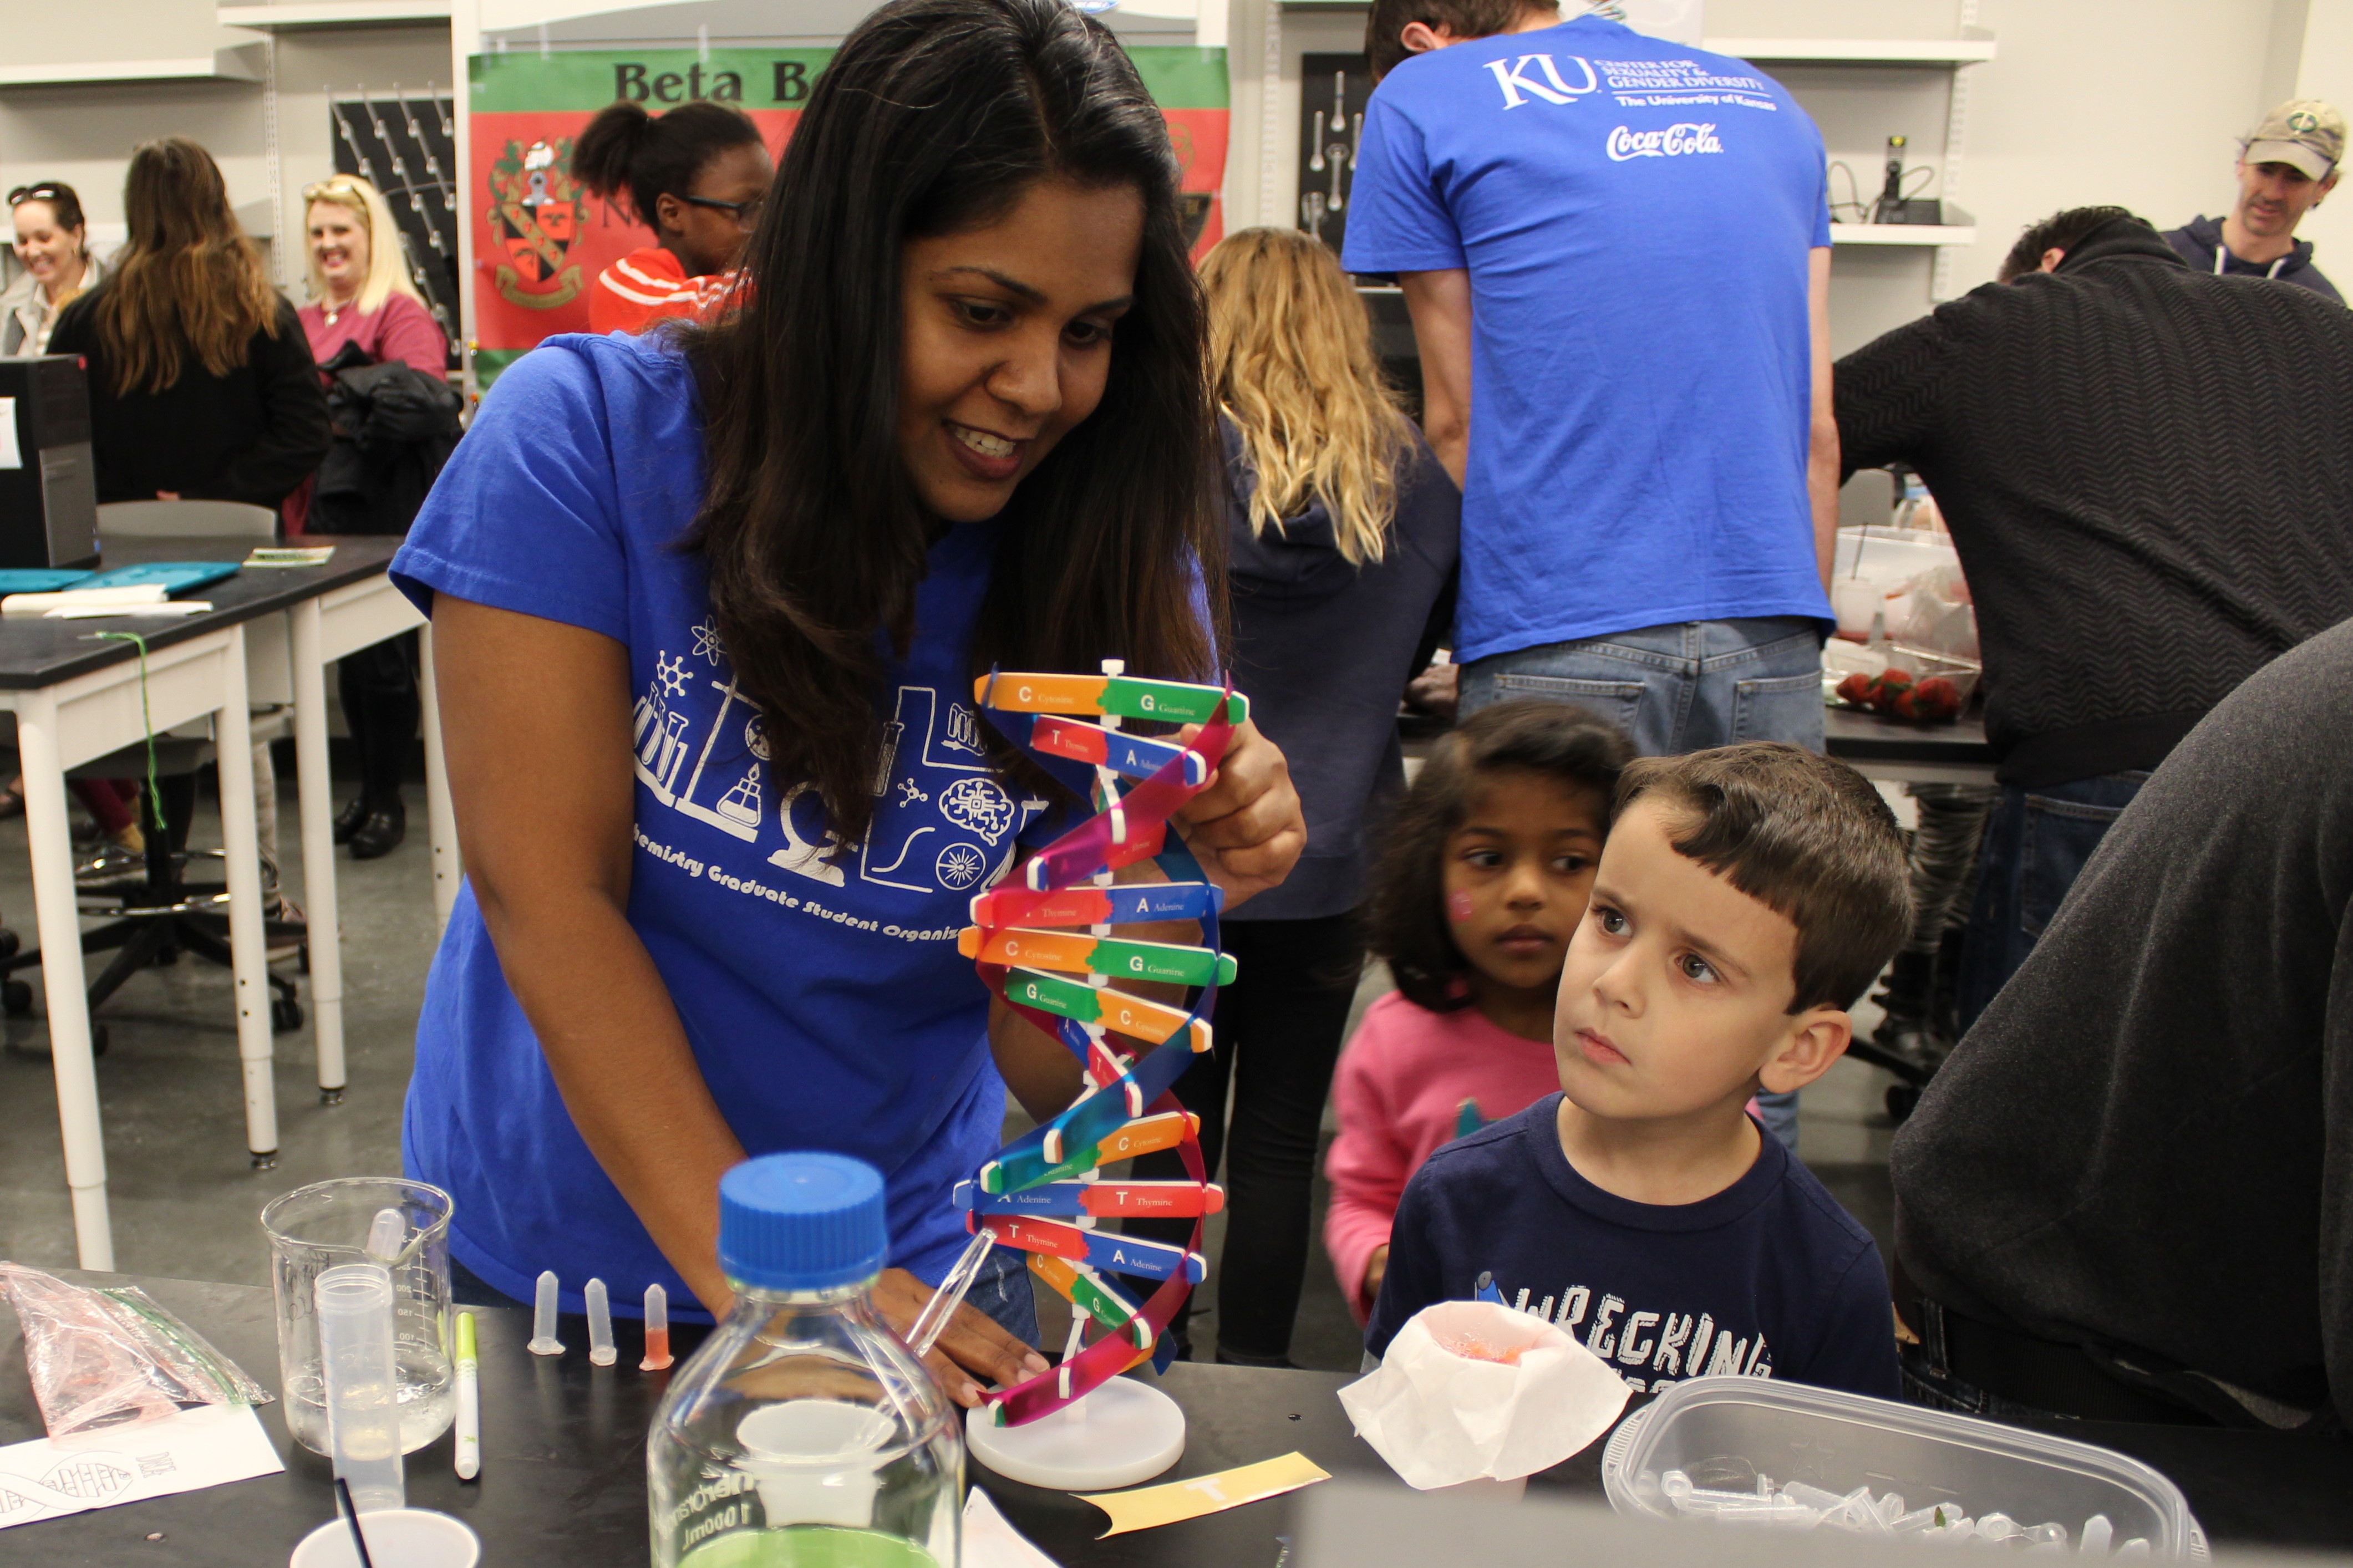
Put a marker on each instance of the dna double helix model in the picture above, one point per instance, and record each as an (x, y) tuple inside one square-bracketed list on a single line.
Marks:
[(1047, 947)]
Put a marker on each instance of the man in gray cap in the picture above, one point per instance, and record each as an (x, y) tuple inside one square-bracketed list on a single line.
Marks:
[(2286, 166)]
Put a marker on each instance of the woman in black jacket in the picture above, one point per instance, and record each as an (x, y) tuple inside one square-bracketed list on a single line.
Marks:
[(201, 381)]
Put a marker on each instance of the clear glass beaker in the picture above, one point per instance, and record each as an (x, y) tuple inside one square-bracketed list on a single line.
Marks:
[(325, 1225)]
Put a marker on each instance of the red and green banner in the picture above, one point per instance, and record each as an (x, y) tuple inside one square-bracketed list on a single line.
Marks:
[(540, 239)]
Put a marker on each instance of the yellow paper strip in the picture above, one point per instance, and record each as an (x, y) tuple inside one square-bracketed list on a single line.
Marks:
[(1148, 1506)]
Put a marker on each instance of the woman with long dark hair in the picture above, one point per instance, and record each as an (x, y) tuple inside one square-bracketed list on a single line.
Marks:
[(708, 608), (201, 381)]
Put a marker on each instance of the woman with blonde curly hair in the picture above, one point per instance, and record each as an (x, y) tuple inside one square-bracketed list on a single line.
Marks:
[(1341, 530)]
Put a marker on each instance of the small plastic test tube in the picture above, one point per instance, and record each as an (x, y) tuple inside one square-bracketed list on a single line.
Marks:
[(543, 1319), (600, 1324), (657, 1329), (386, 1233)]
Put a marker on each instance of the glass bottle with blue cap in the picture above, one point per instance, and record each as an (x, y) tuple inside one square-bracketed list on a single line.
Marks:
[(803, 1432)]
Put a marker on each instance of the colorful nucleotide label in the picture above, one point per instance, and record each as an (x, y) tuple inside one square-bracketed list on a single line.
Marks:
[(1121, 958), (1137, 903)]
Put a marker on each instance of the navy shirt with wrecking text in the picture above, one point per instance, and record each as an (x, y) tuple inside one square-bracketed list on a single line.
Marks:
[(1769, 1277)]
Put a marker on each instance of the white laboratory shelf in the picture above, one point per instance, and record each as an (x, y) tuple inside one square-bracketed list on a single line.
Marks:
[(1977, 46), (306, 14), (1919, 233), (242, 63)]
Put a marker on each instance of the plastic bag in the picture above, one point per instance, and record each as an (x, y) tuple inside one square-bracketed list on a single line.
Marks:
[(1934, 611), (103, 1355)]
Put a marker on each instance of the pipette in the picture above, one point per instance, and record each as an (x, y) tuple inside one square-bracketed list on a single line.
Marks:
[(600, 1324), (944, 1300), (543, 1319), (657, 1329)]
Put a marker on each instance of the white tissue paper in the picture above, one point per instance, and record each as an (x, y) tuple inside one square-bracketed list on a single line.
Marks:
[(1442, 1413)]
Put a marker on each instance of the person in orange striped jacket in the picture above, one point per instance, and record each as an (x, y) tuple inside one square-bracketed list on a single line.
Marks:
[(696, 176)]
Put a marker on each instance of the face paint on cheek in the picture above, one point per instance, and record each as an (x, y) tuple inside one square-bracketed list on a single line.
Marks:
[(1458, 906)]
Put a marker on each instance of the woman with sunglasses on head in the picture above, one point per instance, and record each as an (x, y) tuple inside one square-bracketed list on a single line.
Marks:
[(696, 176), (720, 593), (52, 245), (361, 291), (365, 309)]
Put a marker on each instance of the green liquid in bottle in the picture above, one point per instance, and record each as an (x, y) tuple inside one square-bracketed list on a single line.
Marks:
[(807, 1546)]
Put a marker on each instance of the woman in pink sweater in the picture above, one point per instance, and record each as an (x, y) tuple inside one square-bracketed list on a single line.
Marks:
[(1483, 881)]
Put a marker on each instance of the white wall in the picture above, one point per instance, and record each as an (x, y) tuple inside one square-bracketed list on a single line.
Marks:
[(2137, 101), (83, 134), (2326, 72)]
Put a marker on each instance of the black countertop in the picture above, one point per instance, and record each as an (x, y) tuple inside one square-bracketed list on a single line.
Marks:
[(563, 1472), (1855, 737), (35, 652)]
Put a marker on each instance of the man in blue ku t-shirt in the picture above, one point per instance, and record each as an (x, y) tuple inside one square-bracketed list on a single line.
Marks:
[(1616, 252)]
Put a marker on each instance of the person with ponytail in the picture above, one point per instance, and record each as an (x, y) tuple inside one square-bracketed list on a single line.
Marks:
[(201, 381), (696, 176), (720, 593)]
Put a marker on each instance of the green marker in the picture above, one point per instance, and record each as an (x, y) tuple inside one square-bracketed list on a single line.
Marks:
[(470, 1402)]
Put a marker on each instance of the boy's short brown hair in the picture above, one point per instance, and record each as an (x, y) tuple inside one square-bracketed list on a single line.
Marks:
[(1808, 837), (1386, 24)]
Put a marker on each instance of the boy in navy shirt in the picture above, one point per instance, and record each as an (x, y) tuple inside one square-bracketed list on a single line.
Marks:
[(1746, 896)]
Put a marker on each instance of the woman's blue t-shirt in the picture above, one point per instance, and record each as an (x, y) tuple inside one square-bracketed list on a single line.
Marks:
[(824, 998)]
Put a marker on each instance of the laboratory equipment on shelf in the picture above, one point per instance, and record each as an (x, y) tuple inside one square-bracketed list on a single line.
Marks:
[(804, 1431)]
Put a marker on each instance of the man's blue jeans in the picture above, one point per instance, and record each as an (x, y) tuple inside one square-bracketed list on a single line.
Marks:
[(1675, 689), (2035, 846), (1680, 688)]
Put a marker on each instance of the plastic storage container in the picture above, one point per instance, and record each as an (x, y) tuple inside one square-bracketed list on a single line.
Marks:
[(1890, 555), (1841, 659), (1720, 1428), (804, 1434)]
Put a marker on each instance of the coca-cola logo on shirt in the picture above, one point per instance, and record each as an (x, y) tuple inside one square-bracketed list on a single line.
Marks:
[(1675, 142)]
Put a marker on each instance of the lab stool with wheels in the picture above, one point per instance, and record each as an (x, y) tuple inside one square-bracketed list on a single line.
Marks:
[(155, 916)]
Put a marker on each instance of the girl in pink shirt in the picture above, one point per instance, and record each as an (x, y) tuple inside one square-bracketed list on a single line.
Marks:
[(1484, 878)]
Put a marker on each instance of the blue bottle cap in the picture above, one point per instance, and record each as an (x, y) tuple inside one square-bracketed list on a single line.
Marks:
[(802, 1222)]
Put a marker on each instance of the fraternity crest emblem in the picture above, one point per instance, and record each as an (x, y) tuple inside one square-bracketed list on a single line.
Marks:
[(535, 213)]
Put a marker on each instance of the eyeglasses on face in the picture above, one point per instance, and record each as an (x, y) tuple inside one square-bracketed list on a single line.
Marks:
[(745, 213)]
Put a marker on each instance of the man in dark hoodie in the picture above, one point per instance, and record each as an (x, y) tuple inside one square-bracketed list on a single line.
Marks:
[(2145, 470), (2287, 166)]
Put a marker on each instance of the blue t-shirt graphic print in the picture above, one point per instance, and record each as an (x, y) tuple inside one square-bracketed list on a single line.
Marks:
[(818, 984), (1636, 218)]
